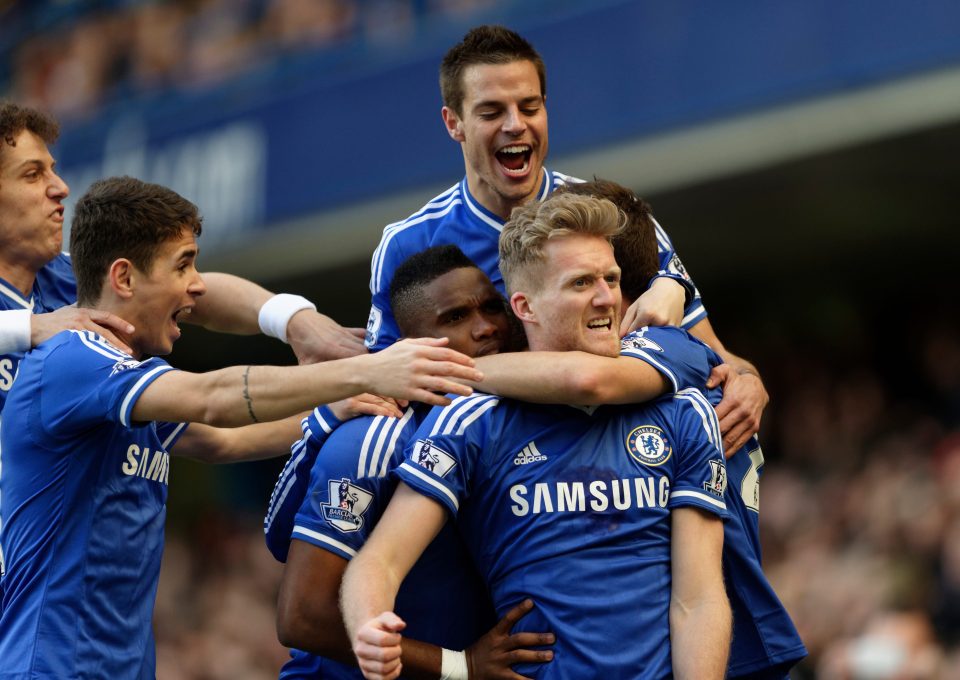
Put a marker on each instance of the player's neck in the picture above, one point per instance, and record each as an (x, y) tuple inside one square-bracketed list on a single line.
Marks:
[(499, 205), (20, 275)]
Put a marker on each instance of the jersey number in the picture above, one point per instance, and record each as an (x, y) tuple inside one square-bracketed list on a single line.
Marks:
[(750, 484)]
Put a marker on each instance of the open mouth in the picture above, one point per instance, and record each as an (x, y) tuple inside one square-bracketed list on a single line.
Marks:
[(603, 324), (515, 159), (179, 315)]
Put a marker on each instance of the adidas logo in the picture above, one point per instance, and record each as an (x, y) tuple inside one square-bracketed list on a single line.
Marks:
[(529, 454)]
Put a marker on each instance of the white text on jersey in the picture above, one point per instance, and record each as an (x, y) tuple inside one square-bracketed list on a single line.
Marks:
[(140, 463), (639, 492)]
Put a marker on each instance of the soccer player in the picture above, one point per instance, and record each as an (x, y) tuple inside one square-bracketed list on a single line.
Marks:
[(438, 292), (86, 465), (609, 518), (765, 641), (493, 85), (38, 288)]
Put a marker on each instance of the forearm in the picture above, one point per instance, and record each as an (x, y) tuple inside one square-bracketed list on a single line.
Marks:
[(233, 445), (230, 305), (700, 636), (242, 395), (569, 378), (369, 587), (322, 632)]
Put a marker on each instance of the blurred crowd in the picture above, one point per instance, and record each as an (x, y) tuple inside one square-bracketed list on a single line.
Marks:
[(84, 54), (860, 516)]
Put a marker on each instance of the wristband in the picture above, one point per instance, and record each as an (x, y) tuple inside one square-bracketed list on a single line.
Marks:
[(15, 331), (277, 312), (453, 665)]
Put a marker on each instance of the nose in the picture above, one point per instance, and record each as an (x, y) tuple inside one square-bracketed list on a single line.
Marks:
[(197, 287), (605, 295), (483, 328), (513, 122), (58, 188)]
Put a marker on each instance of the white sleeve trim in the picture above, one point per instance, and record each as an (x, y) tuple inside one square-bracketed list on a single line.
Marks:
[(423, 476), (323, 538)]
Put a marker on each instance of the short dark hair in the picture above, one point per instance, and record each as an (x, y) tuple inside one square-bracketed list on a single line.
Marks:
[(485, 45), (416, 273), (14, 119), (635, 247), (124, 217)]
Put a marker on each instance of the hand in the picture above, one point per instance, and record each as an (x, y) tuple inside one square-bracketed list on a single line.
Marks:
[(377, 646), (368, 405), (492, 655), (316, 337), (744, 398), (661, 305), (421, 370), (45, 326)]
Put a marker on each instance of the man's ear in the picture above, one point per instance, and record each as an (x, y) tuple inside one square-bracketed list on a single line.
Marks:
[(520, 304), (453, 123), (122, 277)]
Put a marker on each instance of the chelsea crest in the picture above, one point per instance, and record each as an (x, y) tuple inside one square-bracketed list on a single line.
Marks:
[(648, 445)]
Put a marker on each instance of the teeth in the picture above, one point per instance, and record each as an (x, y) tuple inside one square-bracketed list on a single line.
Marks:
[(516, 148), (599, 323)]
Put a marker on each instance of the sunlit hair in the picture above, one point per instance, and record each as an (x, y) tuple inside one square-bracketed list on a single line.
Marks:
[(410, 280), (14, 119), (123, 217), (635, 247), (530, 227), (484, 45)]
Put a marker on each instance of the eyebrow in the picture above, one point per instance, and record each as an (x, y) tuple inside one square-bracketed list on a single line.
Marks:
[(526, 101)]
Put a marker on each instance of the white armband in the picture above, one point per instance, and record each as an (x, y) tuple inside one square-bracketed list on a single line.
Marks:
[(15, 331), (453, 665), (277, 312)]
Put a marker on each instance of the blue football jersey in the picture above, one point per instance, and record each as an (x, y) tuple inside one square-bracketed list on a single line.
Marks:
[(55, 287), (83, 498), (292, 484), (572, 508), (455, 216), (442, 600), (764, 637)]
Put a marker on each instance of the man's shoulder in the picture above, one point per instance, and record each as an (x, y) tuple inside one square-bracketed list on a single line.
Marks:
[(461, 413), (436, 212), (364, 446)]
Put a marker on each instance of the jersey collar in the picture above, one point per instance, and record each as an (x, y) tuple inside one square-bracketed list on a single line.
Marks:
[(487, 217), (9, 291)]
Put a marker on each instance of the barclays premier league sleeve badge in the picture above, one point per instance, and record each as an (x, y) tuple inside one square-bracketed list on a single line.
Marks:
[(347, 504), (648, 445)]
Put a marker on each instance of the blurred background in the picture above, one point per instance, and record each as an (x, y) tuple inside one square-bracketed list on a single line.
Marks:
[(803, 157)]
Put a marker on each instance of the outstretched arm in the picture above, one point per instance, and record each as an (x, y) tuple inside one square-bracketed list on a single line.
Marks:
[(744, 396), (235, 396), (699, 610), (235, 305), (235, 444), (570, 378)]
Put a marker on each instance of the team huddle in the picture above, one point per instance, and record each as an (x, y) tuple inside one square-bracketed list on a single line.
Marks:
[(542, 464)]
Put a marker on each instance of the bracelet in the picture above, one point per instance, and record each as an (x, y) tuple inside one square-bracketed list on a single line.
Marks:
[(277, 312), (15, 331), (453, 665)]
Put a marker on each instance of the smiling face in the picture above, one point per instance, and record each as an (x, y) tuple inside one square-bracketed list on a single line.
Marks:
[(503, 133), (31, 206), (463, 306), (577, 303), (164, 294)]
